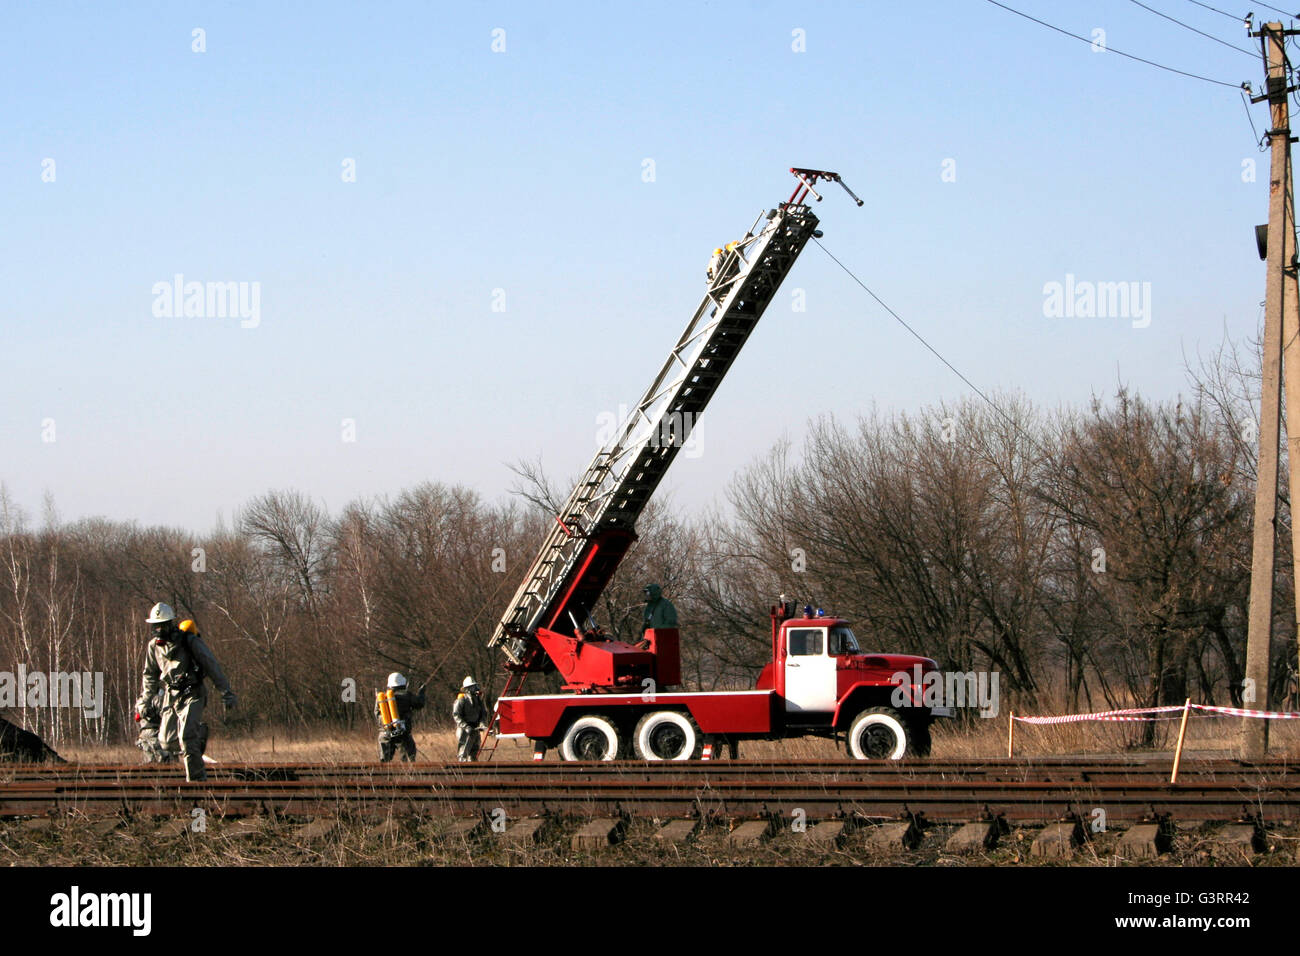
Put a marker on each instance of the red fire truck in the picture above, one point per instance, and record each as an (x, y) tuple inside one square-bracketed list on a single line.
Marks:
[(618, 699)]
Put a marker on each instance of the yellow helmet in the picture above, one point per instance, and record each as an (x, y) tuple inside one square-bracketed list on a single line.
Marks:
[(717, 252)]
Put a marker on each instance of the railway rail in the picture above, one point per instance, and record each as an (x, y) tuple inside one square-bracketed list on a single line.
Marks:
[(1019, 791)]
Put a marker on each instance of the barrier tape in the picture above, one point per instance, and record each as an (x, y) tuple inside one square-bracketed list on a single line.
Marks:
[(1129, 714), (1140, 714), (1240, 712)]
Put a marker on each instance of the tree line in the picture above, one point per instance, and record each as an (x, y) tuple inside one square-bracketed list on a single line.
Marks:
[(1094, 557)]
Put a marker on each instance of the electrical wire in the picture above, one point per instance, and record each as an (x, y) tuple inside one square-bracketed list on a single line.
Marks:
[(935, 352), (1278, 10), (1231, 46), (1111, 49), (1259, 140), (1231, 16)]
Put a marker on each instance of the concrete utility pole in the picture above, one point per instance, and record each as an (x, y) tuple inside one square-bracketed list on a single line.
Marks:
[(1282, 314)]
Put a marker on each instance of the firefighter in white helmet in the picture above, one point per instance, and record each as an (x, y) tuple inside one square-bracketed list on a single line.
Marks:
[(471, 716), (400, 732), (178, 663)]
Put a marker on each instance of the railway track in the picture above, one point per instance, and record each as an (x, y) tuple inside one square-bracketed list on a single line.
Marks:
[(1028, 791)]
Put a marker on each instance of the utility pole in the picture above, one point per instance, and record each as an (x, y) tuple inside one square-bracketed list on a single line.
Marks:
[(1281, 314)]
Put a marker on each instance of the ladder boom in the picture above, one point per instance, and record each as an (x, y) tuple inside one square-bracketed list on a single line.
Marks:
[(598, 522)]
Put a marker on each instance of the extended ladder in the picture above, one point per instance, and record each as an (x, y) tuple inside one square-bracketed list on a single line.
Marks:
[(611, 495)]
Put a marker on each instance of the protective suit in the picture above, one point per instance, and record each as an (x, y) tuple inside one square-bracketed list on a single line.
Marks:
[(471, 715), (407, 703), (149, 716), (659, 611), (178, 663)]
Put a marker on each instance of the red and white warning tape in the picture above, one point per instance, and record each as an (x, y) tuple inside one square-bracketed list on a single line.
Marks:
[(1240, 712), (1130, 714), (1143, 713)]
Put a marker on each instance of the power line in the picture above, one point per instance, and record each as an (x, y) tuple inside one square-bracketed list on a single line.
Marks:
[(1231, 16), (1231, 46), (1111, 49), (1259, 140), (933, 351), (1279, 10)]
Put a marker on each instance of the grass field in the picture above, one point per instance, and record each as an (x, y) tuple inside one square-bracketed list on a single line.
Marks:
[(1207, 736)]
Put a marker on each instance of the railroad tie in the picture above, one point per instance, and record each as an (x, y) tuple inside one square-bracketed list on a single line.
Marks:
[(1237, 842), (524, 833), (750, 834), (976, 837), (240, 830), (1144, 841), (464, 828), (827, 834), (599, 833), (896, 835), (318, 831), (1057, 840), (677, 831), (171, 828)]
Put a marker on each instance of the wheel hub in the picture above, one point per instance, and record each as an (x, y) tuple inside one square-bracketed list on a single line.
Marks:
[(591, 745), (877, 742), (667, 741)]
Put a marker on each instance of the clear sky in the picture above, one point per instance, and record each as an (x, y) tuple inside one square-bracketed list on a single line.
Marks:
[(523, 170)]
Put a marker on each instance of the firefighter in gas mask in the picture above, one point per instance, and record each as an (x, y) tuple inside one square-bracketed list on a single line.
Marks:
[(395, 710), (470, 712), (178, 663)]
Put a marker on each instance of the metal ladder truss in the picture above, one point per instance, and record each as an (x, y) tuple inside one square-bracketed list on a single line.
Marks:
[(625, 472)]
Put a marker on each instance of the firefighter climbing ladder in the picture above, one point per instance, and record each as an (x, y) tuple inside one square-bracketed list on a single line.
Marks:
[(625, 472)]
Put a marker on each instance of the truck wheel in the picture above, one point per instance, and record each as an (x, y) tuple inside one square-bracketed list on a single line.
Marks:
[(878, 733), (590, 738), (667, 735)]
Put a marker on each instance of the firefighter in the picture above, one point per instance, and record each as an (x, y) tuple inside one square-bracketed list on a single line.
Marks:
[(715, 264), (659, 611), (714, 271), (177, 664), (400, 732), (148, 714), (471, 716)]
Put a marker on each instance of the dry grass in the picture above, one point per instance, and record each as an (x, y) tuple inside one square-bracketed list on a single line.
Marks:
[(324, 746), (1206, 736)]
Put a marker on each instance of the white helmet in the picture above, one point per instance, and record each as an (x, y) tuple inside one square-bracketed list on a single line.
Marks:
[(160, 614), (396, 680), (468, 682)]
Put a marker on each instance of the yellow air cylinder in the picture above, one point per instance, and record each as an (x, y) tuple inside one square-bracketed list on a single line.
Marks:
[(387, 706)]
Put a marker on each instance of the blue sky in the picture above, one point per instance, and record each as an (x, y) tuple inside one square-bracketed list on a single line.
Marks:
[(522, 171)]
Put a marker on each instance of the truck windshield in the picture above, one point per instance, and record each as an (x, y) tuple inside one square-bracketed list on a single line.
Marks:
[(842, 641)]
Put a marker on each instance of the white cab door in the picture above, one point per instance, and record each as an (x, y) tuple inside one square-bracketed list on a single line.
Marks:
[(809, 672)]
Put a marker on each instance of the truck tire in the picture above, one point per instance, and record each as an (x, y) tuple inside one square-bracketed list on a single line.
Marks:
[(667, 735), (878, 733), (592, 737)]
